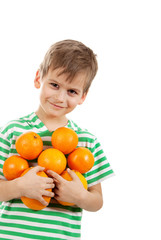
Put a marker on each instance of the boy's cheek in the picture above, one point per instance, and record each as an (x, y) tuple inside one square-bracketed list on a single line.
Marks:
[(73, 103)]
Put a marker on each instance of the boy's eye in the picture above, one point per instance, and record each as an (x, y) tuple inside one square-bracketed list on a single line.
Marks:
[(55, 85), (71, 91)]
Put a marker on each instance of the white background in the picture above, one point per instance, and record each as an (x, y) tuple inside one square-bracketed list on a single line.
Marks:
[(122, 108)]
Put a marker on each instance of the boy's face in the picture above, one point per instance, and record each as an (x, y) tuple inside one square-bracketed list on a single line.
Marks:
[(58, 96)]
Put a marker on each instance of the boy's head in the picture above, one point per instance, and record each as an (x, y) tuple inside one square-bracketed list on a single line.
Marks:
[(72, 57)]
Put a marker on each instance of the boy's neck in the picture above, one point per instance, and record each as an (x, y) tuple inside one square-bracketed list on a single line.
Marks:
[(52, 123)]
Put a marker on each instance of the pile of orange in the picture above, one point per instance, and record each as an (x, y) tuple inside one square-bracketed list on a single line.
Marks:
[(64, 152)]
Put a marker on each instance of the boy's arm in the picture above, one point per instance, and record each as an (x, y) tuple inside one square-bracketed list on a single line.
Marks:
[(92, 199), (9, 190)]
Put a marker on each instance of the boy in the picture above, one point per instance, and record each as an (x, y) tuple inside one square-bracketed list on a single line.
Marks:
[(63, 79)]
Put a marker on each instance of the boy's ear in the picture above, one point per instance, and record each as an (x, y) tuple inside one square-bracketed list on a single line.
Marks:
[(82, 98), (37, 79)]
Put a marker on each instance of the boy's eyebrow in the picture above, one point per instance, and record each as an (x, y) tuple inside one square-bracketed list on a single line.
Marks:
[(51, 79)]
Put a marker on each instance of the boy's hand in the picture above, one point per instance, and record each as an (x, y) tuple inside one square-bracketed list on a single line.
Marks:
[(34, 186), (67, 191)]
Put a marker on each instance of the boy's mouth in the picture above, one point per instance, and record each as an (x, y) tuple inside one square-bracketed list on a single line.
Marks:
[(57, 106)]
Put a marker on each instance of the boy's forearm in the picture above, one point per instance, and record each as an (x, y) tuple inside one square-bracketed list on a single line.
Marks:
[(9, 190), (90, 201)]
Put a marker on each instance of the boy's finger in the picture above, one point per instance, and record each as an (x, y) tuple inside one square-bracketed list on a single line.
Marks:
[(72, 174), (48, 193), (42, 201), (55, 175), (48, 186), (38, 169), (56, 191), (49, 180)]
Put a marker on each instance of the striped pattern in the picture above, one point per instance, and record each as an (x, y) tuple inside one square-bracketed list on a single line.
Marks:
[(56, 221)]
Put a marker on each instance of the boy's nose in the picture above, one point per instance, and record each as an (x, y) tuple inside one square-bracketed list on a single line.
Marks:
[(61, 96)]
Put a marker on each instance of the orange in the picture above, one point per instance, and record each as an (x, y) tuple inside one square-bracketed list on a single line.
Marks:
[(52, 159), (33, 203), (29, 145), (81, 159), (64, 139), (14, 166), (67, 177)]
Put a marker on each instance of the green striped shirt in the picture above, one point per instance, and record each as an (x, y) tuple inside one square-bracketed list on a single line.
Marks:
[(55, 221)]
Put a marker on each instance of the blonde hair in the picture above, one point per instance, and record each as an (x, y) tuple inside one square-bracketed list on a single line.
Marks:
[(73, 57)]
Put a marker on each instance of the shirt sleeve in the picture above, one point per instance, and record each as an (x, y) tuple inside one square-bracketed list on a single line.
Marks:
[(101, 169), (4, 151)]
